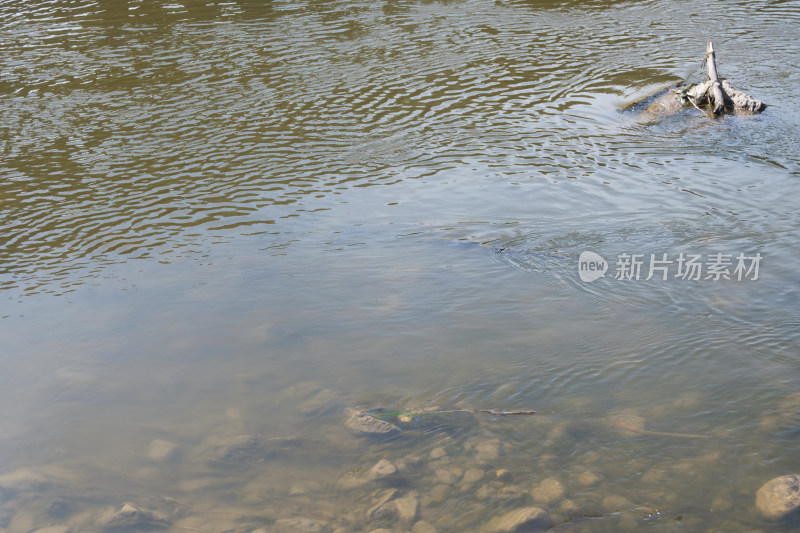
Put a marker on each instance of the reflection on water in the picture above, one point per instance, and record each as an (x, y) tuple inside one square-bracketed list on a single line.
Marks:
[(225, 224)]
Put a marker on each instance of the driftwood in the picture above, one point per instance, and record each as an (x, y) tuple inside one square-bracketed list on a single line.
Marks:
[(719, 93), (641, 431), (366, 422), (407, 416), (717, 96)]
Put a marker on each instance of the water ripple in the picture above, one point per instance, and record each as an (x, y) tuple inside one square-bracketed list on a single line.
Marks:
[(120, 122)]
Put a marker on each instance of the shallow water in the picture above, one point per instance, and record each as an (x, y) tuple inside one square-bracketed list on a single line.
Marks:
[(244, 218)]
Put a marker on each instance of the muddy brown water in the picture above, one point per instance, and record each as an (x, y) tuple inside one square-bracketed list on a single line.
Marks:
[(224, 223)]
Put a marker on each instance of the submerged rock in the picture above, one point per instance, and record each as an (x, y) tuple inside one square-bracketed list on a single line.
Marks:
[(664, 103), (472, 476), (437, 453), (502, 474), (787, 413), (488, 450), (656, 107), (297, 525), (349, 482), (525, 519), (382, 469), (364, 423), (588, 477), (423, 527), (448, 475), (406, 508), (549, 490), (628, 420), (614, 503), (380, 499), (35, 479), (131, 516), (402, 510), (567, 506), (439, 493), (233, 450), (779, 497)]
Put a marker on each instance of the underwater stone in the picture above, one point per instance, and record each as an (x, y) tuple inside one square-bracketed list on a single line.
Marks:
[(297, 525), (364, 423), (131, 516), (437, 453), (439, 493), (779, 497), (423, 527), (524, 519), (227, 450), (588, 478), (614, 503), (548, 490), (402, 509), (407, 508), (382, 468), (488, 450), (472, 476)]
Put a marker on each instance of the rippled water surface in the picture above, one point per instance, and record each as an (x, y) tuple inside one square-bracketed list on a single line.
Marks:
[(223, 224)]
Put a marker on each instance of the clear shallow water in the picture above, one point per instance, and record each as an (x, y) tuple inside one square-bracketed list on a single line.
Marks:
[(237, 218)]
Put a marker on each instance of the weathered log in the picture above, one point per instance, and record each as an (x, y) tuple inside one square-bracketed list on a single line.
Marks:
[(720, 94), (717, 96), (715, 92), (734, 99), (696, 95), (742, 101)]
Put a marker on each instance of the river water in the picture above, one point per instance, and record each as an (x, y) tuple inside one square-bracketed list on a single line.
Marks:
[(243, 218)]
